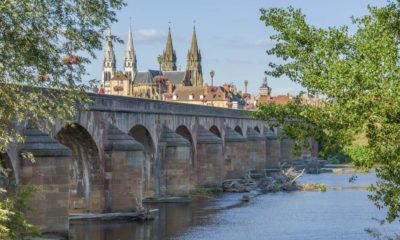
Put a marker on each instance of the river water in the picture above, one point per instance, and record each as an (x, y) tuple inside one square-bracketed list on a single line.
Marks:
[(343, 212)]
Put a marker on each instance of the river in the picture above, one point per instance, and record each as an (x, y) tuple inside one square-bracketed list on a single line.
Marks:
[(342, 212)]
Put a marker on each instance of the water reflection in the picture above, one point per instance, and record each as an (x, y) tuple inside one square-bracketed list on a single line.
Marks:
[(173, 220), (280, 216)]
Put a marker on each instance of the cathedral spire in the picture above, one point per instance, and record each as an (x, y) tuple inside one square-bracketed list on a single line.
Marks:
[(194, 52), (130, 64), (109, 63), (109, 54), (169, 56), (194, 74)]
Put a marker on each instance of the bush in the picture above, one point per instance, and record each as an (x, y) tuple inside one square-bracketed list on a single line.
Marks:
[(13, 206), (339, 158)]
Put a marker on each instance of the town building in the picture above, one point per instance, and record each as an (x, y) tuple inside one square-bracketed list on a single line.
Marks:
[(119, 84), (226, 96), (264, 97)]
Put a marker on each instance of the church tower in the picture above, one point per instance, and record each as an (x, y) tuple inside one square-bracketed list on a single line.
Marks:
[(194, 73), (265, 90), (130, 66), (109, 64), (169, 56)]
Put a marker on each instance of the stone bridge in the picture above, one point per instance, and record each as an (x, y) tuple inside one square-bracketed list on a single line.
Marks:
[(122, 150)]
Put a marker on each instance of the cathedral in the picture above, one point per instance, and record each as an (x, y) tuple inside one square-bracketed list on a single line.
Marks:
[(150, 84)]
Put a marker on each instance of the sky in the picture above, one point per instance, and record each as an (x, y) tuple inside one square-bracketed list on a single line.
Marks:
[(232, 39)]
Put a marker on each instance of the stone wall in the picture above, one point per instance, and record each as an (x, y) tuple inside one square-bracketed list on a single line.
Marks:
[(209, 165), (175, 153), (47, 174), (273, 151), (236, 158), (124, 171), (256, 149), (125, 180)]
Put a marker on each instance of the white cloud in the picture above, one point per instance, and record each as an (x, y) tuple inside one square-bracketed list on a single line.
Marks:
[(149, 35)]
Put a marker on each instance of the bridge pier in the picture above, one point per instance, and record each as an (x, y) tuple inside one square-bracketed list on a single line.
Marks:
[(209, 166), (273, 149), (47, 174), (237, 161), (124, 171), (256, 149), (150, 167), (175, 155), (286, 149)]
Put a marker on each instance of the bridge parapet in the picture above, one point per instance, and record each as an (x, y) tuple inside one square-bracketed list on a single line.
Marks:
[(108, 103)]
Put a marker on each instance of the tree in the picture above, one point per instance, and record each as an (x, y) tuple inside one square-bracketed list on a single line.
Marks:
[(245, 85), (359, 75), (212, 74), (160, 60), (39, 46)]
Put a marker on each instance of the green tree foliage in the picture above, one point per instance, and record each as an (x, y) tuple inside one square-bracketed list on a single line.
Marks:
[(359, 74), (44, 44), (36, 38), (13, 206)]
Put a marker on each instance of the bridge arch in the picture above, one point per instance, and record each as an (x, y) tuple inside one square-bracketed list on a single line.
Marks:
[(239, 130), (257, 129), (141, 134), (86, 173), (183, 131), (214, 129)]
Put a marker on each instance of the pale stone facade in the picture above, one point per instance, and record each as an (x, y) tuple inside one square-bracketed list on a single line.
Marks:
[(120, 85), (144, 91)]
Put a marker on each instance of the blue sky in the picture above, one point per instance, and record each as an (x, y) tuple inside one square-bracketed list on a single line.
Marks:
[(230, 35)]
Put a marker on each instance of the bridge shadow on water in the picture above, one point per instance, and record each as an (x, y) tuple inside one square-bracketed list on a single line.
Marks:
[(173, 220)]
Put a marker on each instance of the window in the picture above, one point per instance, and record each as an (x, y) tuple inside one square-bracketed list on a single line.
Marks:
[(190, 97)]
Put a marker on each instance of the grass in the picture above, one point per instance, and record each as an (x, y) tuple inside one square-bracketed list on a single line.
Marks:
[(209, 192)]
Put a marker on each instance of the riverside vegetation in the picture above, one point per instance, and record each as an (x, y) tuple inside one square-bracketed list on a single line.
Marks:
[(357, 74)]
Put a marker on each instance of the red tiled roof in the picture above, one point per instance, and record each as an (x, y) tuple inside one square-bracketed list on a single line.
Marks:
[(279, 100), (216, 93)]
